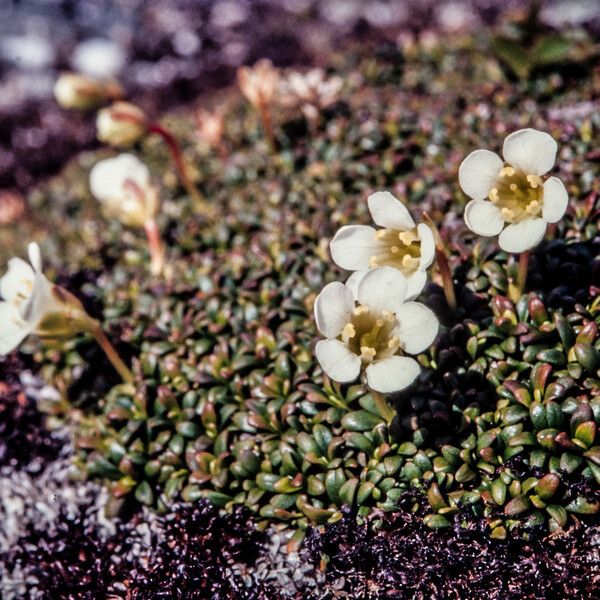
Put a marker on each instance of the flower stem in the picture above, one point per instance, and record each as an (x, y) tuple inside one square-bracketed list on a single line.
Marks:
[(200, 203), (96, 330), (156, 247), (442, 263), (447, 283), (521, 275), (267, 122)]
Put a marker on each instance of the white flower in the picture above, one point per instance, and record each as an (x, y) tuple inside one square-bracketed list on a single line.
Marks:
[(27, 298), (520, 202), (121, 124), (400, 244), (372, 326), (259, 83), (125, 189)]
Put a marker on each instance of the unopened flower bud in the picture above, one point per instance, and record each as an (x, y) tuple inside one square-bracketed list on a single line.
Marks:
[(124, 187), (74, 91), (121, 124)]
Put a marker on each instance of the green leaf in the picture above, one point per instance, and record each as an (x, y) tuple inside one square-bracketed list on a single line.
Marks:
[(550, 50), (513, 55)]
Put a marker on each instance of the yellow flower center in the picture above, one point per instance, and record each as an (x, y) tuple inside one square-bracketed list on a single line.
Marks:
[(371, 336), (518, 196), (399, 249)]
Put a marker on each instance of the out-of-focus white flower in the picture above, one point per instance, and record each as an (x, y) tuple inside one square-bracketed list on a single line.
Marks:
[(124, 187), (31, 304), (74, 91), (311, 91), (520, 203), (370, 325), (259, 83), (121, 124), (400, 244)]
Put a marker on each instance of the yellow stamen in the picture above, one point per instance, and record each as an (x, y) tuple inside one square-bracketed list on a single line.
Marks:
[(407, 237), (373, 262), (361, 310), (395, 249), (513, 187), (380, 234), (410, 262), (348, 332), (507, 214), (494, 195), (367, 353)]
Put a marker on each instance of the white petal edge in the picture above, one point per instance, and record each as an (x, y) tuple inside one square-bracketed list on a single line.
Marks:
[(337, 360), (392, 374), (354, 279), (332, 308), (388, 211), (530, 150), (418, 327), (353, 246), (556, 200), (478, 173), (17, 281), (427, 245), (415, 284), (522, 236), (483, 218), (40, 303), (35, 256), (382, 289), (14, 330)]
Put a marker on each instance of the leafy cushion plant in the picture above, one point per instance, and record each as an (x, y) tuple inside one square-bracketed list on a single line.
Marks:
[(229, 402)]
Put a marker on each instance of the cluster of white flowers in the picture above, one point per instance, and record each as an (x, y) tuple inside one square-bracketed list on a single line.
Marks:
[(370, 322)]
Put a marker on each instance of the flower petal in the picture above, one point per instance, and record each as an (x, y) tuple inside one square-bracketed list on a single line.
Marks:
[(35, 256), (415, 284), (418, 327), (388, 211), (40, 302), (382, 289), (392, 374), (483, 218), (353, 246), (14, 330), (478, 173), (108, 176), (332, 308), (17, 283), (427, 245), (337, 360), (530, 150), (522, 236), (556, 199), (354, 279)]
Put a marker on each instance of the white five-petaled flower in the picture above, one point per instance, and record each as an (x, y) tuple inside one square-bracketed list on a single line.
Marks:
[(370, 325), (520, 203), (124, 187), (400, 244), (28, 299)]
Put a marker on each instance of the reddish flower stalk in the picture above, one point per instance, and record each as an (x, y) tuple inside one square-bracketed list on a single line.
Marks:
[(200, 203)]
